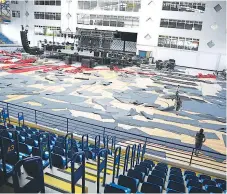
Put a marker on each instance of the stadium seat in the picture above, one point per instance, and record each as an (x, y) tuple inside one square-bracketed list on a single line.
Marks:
[(192, 189), (213, 189), (114, 188), (149, 161), (156, 180), (161, 168), (222, 186), (9, 168), (175, 169), (163, 165), (21, 139), (175, 178), (149, 166), (31, 142), (193, 183), (187, 172), (143, 169), (128, 182), (208, 182), (24, 148), (60, 144), (176, 173), (202, 176), (59, 151), (90, 155), (58, 161), (219, 181), (191, 177), (159, 174), (136, 174), (25, 134), (150, 188), (176, 186)]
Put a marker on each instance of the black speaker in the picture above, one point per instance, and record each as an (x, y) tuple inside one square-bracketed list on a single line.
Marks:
[(96, 54)]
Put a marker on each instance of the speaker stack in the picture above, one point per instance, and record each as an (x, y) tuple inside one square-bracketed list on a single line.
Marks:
[(25, 44)]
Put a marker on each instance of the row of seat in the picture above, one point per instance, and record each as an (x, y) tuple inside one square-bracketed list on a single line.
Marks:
[(155, 181)]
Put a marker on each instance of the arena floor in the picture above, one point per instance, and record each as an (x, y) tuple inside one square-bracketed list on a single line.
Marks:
[(137, 100)]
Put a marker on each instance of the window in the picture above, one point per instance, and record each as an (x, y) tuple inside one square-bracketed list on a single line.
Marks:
[(47, 2), (181, 24), (14, 2), (47, 15), (178, 42), (110, 5), (47, 30), (108, 20), (16, 14), (183, 6)]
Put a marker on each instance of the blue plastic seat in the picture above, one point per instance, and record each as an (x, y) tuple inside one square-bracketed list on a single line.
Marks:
[(149, 166), (114, 188), (150, 188), (128, 182), (191, 177), (31, 142), (219, 181), (176, 173), (90, 155), (176, 186), (58, 161), (150, 162), (175, 178), (213, 189), (60, 144), (59, 151), (162, 165), (193, 183), (12, 158), (136, 174), (143, 169), (161, 168), (35, 137), (9, 168), (159, 174), (202, 176), (188, 172), (222, 186), (192, 189), (24, 148), (45, 163), (156, 180), (21, 138), (175, 169), (208, 182), (25, 134)]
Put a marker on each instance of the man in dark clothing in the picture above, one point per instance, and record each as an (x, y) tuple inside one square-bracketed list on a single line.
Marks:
[(178, 102), (199, 140)]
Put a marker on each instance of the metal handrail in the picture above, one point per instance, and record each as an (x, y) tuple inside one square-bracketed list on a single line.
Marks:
[(186, 151)]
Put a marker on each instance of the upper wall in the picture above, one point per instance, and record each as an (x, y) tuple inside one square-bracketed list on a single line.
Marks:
[(205, 57)]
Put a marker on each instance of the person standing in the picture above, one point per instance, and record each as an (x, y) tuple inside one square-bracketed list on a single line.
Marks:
[(199, 140), (178, 102)]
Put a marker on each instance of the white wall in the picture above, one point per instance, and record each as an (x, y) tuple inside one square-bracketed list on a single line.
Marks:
[(205, 58)]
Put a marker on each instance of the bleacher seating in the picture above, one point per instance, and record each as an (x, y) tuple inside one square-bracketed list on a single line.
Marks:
[(4, 39), (146, 176)]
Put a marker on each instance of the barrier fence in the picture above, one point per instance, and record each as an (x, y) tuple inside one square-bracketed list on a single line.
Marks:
[(175, 152)]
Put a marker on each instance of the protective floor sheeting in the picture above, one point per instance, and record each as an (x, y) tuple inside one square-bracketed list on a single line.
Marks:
[(113, 99)]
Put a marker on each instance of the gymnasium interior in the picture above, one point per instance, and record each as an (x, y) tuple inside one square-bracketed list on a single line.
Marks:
[(109, 96)]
